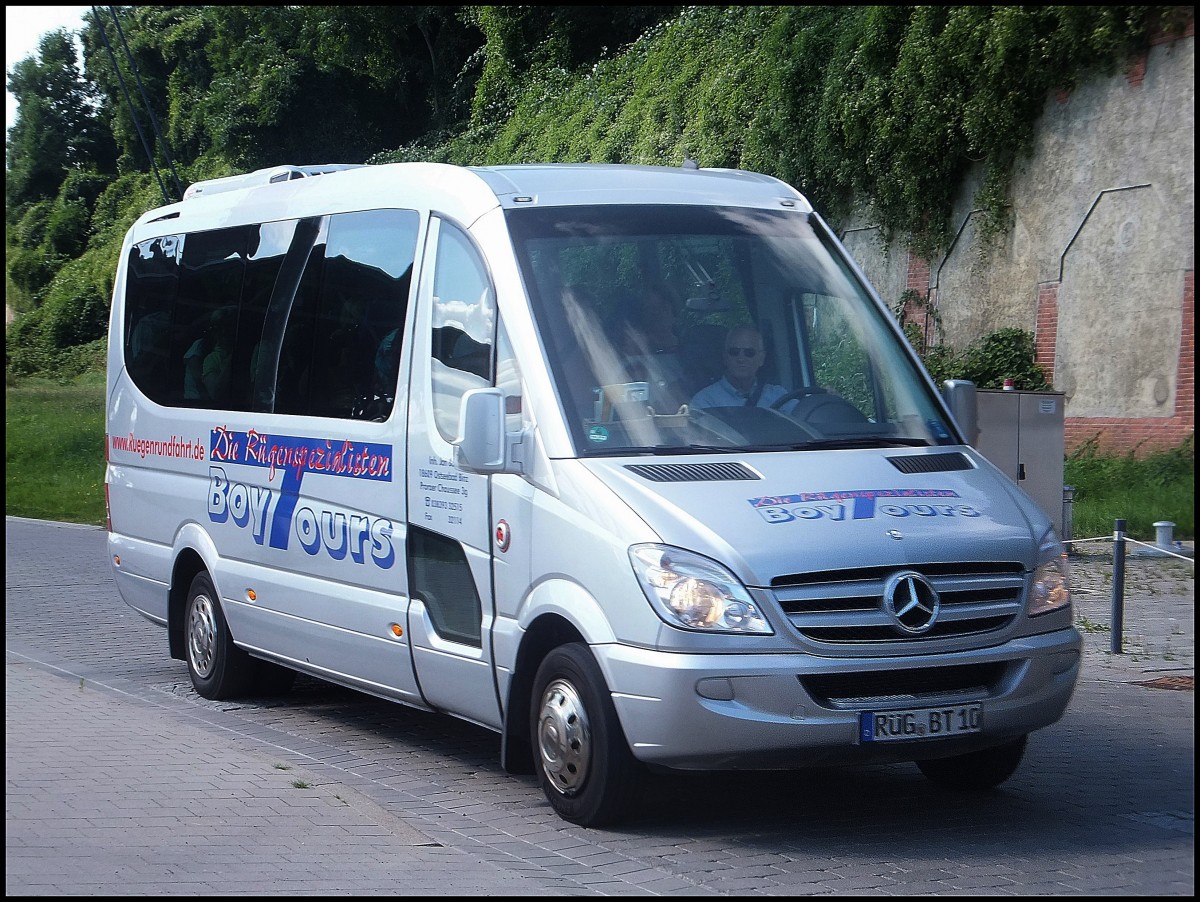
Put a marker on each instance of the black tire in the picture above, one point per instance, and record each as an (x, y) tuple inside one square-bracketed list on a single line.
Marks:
[(219, 669), (976, 771), (580, 753)]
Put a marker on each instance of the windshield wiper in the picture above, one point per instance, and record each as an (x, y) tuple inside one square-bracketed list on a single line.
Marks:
[(663, 449), (863, 441), (697, 449)]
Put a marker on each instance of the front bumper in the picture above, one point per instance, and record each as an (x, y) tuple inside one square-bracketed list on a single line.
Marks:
[(761, 711)]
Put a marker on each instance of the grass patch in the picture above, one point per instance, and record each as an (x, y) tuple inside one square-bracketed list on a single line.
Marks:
[(54, 450), (1090, 626), (1140, 491)]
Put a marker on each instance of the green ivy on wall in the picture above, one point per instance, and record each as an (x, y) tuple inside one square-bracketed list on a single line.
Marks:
[(890, 106)]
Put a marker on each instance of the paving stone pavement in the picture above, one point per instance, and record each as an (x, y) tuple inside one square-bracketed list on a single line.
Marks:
[(119, 780), (1157, 608)]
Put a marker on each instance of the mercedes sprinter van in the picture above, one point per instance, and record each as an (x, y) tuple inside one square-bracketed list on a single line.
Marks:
[(630, 464)]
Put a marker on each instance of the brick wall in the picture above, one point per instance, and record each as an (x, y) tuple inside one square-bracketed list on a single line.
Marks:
[(1127, 434), (1137, 435), (919, 314), (1145, 434), (1045, 332)]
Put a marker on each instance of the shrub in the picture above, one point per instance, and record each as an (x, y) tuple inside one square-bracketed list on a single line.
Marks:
[(1004, 354)]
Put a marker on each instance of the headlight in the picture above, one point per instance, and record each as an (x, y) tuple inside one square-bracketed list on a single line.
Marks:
[(1051, 589), (694, 592)]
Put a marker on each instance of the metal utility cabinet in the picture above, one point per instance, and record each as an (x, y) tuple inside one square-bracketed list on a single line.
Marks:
[(1021, 432)]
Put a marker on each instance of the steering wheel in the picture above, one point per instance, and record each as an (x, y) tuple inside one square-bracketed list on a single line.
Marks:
[(820, 409), (804, 392)]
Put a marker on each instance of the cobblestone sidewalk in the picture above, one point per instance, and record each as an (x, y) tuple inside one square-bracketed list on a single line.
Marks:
[(1158, 629)]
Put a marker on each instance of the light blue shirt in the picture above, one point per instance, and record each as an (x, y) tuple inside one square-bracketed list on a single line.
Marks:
[(722, 394)]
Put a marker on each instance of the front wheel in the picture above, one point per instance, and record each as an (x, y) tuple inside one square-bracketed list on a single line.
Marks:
[(583, 761), (218, 668), (984, 769)]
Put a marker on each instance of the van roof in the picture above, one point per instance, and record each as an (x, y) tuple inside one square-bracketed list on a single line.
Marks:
[(560, 184), (272, 175), (465, 192)]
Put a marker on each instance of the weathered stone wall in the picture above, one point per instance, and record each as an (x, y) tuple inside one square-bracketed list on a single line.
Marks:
[(1100, 260)]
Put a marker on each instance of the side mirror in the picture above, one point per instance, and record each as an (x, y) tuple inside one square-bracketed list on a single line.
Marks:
[(480, 446), (964, 407)]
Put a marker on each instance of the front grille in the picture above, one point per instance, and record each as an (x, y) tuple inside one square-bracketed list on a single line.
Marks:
[(846, 606), (915, 685), (855, 574)]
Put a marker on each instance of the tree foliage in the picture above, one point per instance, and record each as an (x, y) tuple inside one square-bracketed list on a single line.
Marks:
[(58, 131), (890, 106), (253, 86)]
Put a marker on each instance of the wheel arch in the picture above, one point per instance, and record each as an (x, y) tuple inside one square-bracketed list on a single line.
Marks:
[(194, 552), (187, 564), (545, 633)]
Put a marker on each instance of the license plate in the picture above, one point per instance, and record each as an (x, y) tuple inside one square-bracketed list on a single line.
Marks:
[(910, 724)]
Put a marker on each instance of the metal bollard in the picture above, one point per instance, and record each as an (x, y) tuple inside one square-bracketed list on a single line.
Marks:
[(1068, 520), (1164, 534), (1118, 591)]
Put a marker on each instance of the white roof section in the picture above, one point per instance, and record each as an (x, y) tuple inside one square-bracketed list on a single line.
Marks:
[(271, 176), (465, 193), (565, 184)]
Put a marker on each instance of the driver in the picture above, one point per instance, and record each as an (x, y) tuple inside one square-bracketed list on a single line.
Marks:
[(740, 386)]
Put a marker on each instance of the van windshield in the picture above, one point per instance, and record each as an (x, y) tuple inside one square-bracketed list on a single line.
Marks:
[(675, 329)]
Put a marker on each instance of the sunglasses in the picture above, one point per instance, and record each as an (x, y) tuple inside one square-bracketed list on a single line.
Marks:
[(742, 352)]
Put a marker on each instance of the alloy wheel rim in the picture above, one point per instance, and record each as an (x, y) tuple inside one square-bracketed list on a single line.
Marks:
[(564, 737), (202, 635)]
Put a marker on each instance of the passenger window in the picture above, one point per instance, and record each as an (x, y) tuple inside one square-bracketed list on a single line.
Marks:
[(300, 317), (341, 355), (210, 290), (152, 281), (464, 321), (368, 270), (299, 349), (253, 364), (267, 359)]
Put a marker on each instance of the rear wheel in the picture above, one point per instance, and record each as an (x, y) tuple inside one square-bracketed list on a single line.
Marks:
[(583, 761), (219, 669), (984, 769)]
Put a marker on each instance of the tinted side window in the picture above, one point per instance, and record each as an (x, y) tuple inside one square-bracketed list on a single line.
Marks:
[(207, 311), (253, 368), (301, 317), (340, 353), (267, 361), (441, 577), (360, 313), (151, 283), (298, 350)]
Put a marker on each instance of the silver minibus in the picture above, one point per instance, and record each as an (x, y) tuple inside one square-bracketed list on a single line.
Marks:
[(629, 464)]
